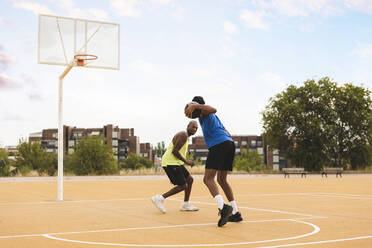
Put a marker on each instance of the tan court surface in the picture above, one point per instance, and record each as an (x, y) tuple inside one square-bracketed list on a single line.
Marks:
[(277, 212)]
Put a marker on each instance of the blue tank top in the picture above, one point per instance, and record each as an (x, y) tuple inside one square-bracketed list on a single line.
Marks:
[(213, 130)]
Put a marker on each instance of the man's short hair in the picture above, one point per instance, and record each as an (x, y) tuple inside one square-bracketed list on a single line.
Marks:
[(198, 99)]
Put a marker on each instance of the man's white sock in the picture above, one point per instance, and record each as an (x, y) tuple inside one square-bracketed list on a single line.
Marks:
[(161, 197), (219, 201), (234, 206)]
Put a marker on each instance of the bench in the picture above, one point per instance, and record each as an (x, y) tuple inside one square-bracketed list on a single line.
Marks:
[(332, 170), (288, 171)]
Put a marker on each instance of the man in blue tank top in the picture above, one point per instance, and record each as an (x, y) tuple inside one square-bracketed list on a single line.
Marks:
[(220, 158)]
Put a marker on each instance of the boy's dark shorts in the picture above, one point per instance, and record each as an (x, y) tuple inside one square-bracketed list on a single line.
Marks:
[(177, 174), (221, 156)]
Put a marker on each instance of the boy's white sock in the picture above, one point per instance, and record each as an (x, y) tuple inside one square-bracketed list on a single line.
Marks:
[(219, 201), (234, 206)]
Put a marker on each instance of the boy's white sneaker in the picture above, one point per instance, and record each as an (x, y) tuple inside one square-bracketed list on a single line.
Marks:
[(187, 206), (158, 202)]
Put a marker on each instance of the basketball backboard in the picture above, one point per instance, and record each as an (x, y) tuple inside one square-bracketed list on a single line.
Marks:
[(61, 38)]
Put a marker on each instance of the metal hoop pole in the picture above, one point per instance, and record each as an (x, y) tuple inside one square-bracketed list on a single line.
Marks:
[(60, 133)]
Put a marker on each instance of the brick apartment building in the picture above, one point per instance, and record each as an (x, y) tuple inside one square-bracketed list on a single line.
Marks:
[(122, 141), (272, 158)]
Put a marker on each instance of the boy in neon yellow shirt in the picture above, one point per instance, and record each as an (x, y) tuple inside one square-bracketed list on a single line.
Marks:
[(173, 162)]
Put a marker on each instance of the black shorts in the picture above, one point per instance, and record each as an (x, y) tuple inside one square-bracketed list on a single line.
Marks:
[(221, 156), (177, 174)]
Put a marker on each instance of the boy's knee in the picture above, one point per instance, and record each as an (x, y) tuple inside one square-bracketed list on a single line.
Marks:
[(183, 187), (190, 180), (221, 181)]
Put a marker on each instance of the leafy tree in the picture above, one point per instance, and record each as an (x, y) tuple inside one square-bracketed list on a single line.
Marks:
[(5, 166), (319, 123), (92, 156), (31, 156), (160, 149), (134, 162), (248, 161)]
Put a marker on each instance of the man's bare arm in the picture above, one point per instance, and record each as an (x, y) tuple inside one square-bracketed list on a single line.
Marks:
[(205, 109), (178, 141)]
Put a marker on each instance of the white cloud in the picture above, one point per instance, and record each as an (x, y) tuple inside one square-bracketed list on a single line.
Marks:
[(270, 78), (364, 6), (228, 51), (254, 19), (92, 13), (206, 73), (143, 66), (304, 8), (7, 82), (99, 14), (4, 61), (161, 1), (34, 7), (230, 28), (178, 12), (363, 52), (129, 8)]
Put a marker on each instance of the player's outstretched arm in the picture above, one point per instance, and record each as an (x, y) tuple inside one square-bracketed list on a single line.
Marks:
[(205, 109)]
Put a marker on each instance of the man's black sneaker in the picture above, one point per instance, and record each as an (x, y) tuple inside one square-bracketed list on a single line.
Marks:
[(237, 217), (224, 213)]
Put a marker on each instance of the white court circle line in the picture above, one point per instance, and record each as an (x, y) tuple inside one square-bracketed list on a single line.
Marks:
[(316, 229)]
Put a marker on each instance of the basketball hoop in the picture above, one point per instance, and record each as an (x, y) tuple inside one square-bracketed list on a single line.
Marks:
[(81, 59)]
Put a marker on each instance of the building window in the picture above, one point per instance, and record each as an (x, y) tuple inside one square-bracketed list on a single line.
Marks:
[(275, 151), (71, 143), (244, 143), (70, 151), (114, 142), (114, 135), (259, 143), (53, 143), (236, 143), (253, 143), (55, 135), (276, 159), (260, 150), (77, 135)]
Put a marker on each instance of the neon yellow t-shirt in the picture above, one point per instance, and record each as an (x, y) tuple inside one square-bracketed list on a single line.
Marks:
[(168, 157)]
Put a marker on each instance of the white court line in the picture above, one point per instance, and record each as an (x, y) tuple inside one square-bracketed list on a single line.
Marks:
[(150, 227), (316, 194), (259, 209), (316, 229), (72, 201)]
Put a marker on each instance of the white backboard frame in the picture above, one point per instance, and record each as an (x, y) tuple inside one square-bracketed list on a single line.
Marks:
[(60, 38)]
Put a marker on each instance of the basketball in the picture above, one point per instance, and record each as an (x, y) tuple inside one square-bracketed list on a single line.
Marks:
[(196, 113)]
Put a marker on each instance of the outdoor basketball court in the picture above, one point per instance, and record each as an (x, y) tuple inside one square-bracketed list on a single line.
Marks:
[(109, 211)]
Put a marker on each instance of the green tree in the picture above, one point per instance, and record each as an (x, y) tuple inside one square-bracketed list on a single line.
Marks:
[(160, 149), (5, 166), (248, 161), (92, 156), (31, 156), (134, 162), (319, 123)]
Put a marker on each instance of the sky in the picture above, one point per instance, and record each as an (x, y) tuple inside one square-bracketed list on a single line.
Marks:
[(235, 53)]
